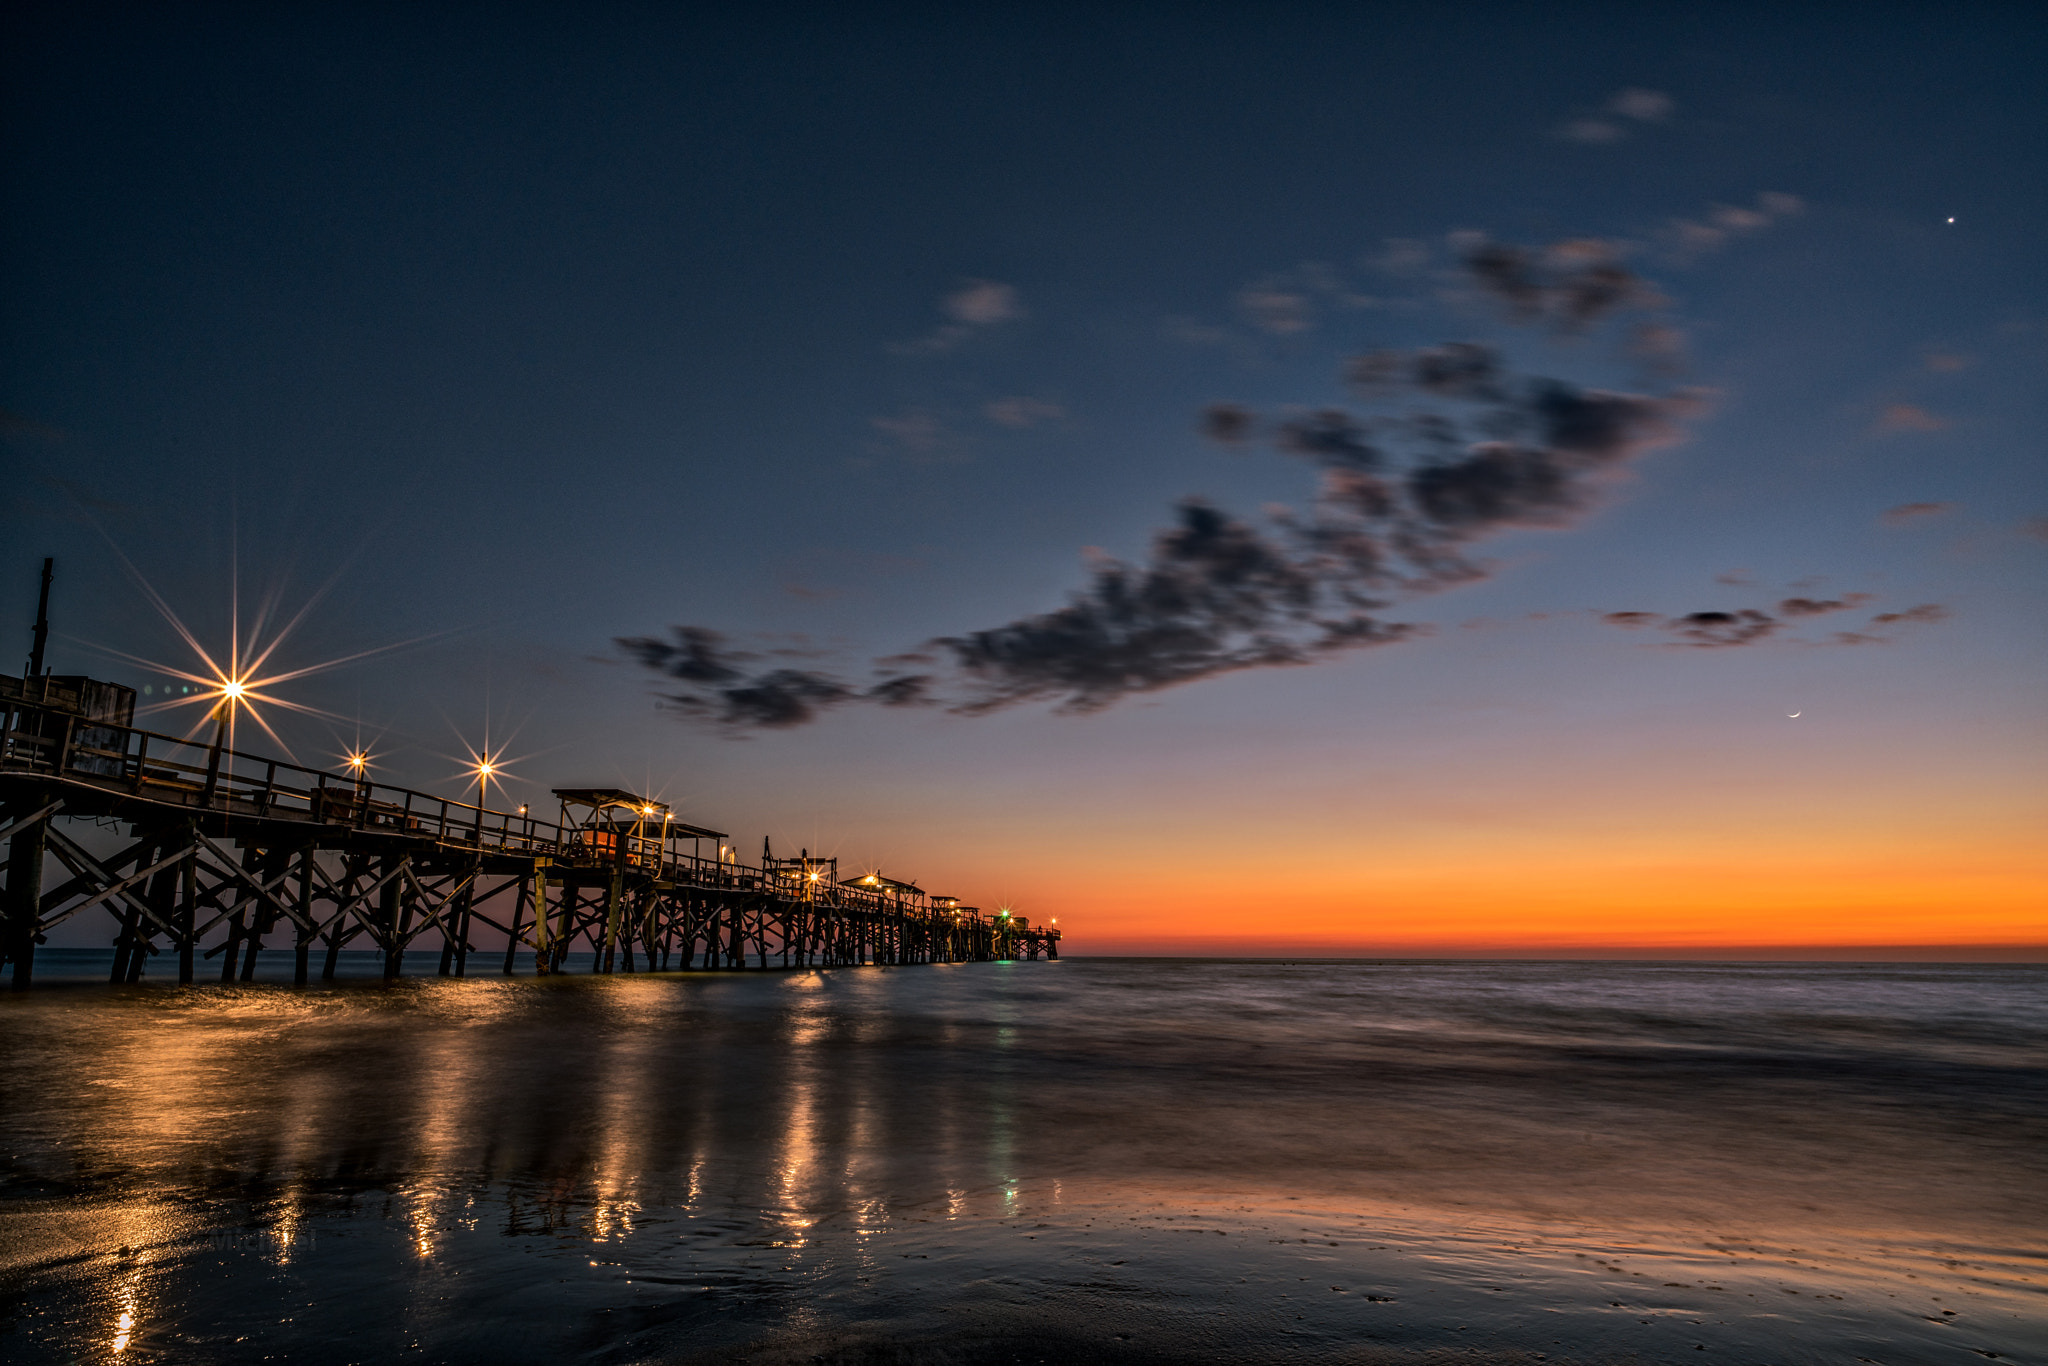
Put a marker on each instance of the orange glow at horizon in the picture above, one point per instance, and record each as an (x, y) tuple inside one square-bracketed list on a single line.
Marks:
[(1594, 876), (1671, 907)]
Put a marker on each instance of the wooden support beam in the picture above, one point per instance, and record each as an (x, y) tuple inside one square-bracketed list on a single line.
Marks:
[(162, 896), (64, 891), (108, 886), (188, 914), (512, 930), (431, 906), (48, 810), (392, 917), (340, 892), (130, 921), (463, 911), (302, 942), (357, 900), (29, 839), (262, 887)]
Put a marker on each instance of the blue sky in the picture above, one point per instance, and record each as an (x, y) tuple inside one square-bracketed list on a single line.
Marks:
[(835, 332)]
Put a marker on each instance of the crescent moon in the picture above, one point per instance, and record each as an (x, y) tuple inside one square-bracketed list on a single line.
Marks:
[(1792, 716)]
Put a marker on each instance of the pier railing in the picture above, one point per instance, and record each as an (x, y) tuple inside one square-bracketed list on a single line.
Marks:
[(178, 771)]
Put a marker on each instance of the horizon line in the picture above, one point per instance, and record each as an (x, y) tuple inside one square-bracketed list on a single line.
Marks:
[(1719, 953)]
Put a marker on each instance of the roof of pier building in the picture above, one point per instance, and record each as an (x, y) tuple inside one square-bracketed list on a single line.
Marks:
[(616, 798), (875, 882)]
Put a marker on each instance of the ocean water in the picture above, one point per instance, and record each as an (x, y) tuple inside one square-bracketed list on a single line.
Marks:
[(1090, 1160)]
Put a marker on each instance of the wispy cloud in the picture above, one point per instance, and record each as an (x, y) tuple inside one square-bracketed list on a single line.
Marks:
[(1905, 514), (977, 306), (1906, 417), (914, 429), (1688, 238), (984, 303), (1193, 331), (917, 435), (1645, 106), (1272, 308), (1626, 111), (1401, 257), (1291, 302), (1020, 414)]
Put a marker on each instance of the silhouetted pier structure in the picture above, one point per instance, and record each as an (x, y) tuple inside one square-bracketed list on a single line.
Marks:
[(224, 853)]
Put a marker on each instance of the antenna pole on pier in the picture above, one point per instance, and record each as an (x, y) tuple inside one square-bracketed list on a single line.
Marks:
[(42, 636)]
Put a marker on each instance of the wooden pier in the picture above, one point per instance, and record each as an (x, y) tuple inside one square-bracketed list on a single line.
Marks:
[(222, 854)]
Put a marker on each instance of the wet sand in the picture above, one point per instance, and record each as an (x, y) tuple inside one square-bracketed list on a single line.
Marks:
[(1090, 1160)]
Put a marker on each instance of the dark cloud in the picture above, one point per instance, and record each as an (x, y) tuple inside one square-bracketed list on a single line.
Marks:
[(718, 686), (1925, 612), (1715, 630), (1216, 595), (1597, 426), (1813, 607), (1230, 423), (1569, 285), (1447, 447), (695, 655), (777, 699), (1592, 291), (1577, 432), (1495, 484), (1453, 370), (1331, 437), (904, 690), (1747, 626), (1508, 274)]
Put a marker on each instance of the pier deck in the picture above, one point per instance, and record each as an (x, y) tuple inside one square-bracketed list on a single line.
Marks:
[(223, 853)]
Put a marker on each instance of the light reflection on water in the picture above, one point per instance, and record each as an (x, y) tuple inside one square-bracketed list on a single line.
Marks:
[(1133, 1157)]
